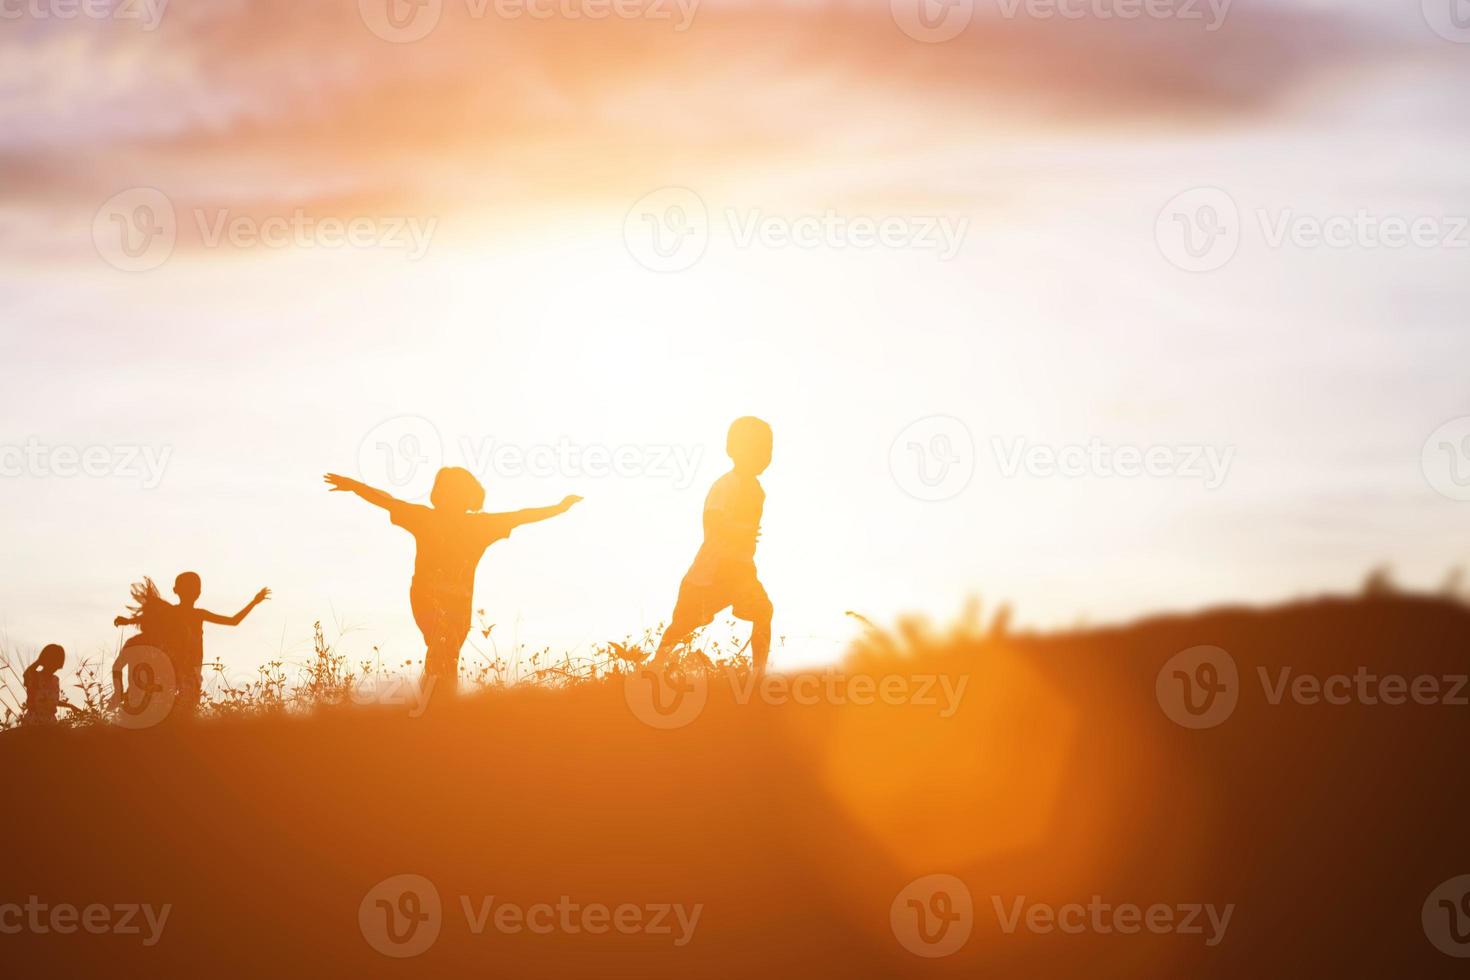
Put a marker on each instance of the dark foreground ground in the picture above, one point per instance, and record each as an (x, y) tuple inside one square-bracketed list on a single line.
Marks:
[(793, 827)]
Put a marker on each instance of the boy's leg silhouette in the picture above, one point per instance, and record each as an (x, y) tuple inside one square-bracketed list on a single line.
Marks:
[(699, 603)]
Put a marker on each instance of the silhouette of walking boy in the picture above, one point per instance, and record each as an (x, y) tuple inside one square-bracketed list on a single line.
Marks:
[(43, 687), (723, 573), (451, 537)]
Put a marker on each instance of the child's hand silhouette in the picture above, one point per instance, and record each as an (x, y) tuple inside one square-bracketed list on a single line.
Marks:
[(262, 595), (568, 501), (340, 484), (120, 621)]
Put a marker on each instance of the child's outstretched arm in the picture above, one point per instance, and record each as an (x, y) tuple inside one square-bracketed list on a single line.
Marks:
[(239, 617), (533, 514), (374, 496)]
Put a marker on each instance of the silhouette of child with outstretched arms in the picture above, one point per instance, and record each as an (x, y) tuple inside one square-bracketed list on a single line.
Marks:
[(451, 536), (179, 631), (43, 687), (723, 573)]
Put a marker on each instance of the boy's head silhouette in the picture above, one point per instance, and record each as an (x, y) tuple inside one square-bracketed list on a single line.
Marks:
[(51, 659), (457, 490), (749, 445), (187, 587)]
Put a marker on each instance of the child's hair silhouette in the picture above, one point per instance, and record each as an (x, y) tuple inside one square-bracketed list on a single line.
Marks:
[(43, 687), (723, 574), (456, 489), (451, 537)]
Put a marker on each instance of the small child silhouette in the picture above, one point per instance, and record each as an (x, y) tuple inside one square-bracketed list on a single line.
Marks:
[(43, 687), (451, 538), (723, 573), (178, 630)]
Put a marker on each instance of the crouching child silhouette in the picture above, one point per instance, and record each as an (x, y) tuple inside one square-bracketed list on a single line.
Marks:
[(723, 573), (451, 537), (43, 687)]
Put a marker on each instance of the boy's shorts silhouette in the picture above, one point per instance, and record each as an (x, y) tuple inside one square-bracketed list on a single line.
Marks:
[(709, 587)]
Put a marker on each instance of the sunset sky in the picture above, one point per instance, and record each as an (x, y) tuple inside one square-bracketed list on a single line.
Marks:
[(536, 159)]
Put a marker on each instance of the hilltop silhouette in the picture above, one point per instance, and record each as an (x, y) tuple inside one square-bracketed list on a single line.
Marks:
[(1058, 777)]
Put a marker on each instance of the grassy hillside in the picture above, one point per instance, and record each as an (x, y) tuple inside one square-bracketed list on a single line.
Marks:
[(1048, 774)]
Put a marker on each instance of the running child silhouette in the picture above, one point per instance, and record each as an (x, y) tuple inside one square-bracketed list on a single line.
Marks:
[(451, 538), (177, 630), (723, 573)]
